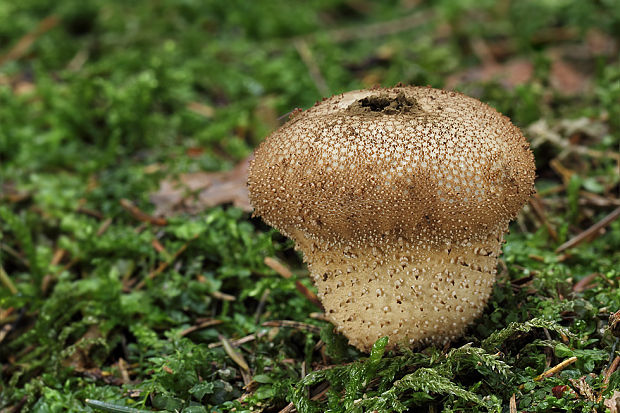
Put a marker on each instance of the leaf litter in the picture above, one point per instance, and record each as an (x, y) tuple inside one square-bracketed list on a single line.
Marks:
[(191, 193)]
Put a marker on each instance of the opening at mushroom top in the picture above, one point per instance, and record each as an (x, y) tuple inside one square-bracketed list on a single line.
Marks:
[(385, 104)]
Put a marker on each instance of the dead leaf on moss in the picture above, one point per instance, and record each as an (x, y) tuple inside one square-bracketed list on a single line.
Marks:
[(194, 192), (565, 79)]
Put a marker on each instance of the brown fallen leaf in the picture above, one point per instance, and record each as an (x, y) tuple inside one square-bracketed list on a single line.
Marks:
[(194, 192), (564, 78)]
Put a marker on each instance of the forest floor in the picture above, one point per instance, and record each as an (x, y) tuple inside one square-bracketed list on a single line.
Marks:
[(133, 277)]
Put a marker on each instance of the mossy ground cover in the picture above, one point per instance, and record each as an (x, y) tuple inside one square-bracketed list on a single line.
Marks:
[(101, 300)]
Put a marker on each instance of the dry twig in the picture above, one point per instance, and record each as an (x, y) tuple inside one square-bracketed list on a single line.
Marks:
[(165, 264), (585, 282), (237, 343), (222, 296), (140, 215), (292, 324), (539, 210), (22, 46), (281, 269), (611, 369), (104, 226), (591, 232), (556, 369), (204, 324)]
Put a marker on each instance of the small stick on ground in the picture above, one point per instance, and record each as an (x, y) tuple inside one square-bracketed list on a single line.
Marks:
[(585, 283), (104, 226), (292, 324), (612, 368), (278, 267), (556, 369), (23, 45), (200, 326), (288, 409), (160, 248), (90, 212), (597, 200), (281, 269), (237, 343), (140, 215), (320, 392), (19, 406), (15, 254), (222, 296), (591, 232), (56, 259), (319, 316), (513, 403), (165, 264)]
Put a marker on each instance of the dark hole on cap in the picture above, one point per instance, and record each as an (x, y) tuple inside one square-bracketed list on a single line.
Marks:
[(385, 104)]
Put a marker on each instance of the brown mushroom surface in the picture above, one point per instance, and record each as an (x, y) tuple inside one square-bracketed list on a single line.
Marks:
[(398, 199)]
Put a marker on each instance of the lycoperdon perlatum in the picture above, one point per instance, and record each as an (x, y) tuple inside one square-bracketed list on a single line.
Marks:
[(399, 199)]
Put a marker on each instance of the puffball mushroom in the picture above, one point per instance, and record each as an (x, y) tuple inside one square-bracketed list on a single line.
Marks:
[(399, 199)]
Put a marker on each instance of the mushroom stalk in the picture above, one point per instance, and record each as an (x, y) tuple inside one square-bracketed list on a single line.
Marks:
[(414, 292)]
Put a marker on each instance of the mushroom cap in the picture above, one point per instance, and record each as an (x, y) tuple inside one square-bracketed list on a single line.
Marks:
[(399, 199), (412, 162)]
